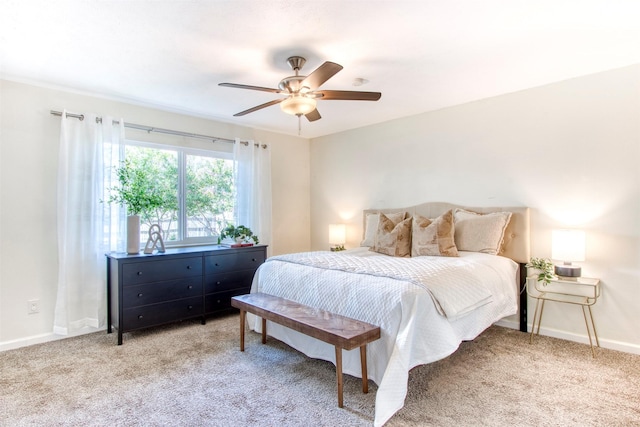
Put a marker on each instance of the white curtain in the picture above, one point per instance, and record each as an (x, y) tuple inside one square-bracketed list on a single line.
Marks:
[(87, 228), (252, 174)]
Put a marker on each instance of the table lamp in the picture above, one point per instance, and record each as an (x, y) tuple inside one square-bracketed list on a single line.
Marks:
[(568, 246), (337, 236)]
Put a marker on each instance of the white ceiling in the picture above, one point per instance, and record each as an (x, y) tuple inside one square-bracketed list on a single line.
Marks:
[(422, 55)]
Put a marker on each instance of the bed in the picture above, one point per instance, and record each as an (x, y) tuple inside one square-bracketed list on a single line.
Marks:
[(452, 283)]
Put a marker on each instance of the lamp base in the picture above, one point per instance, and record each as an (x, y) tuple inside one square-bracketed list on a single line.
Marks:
[(568, 270)]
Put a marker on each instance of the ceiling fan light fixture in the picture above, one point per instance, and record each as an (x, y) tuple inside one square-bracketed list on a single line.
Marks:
[(298, 104)]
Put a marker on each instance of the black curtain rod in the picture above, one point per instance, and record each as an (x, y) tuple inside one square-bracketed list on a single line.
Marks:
[(158, 130)]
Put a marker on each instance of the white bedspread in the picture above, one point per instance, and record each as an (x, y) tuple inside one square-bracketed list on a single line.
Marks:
[(425, 306)]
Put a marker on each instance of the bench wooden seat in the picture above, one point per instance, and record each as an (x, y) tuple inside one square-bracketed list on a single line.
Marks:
[(343, 332)]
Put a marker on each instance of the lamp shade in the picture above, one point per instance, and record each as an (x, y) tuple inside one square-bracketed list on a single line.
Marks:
[(568, 245), (337, 234), (298, 104)]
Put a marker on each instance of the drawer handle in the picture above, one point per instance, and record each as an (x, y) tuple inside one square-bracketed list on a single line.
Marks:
[(140, 295), (140, 317), (190, 287), (190, 307), (217, 265), (139, 273), (188, 267), (218, 283), (253, 259)]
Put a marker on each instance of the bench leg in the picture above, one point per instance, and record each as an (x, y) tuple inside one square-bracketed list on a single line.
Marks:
[(243, 317), (339, 374), (264, 330), (363, 364)]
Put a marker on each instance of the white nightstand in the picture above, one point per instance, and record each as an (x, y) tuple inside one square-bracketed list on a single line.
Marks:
[(582, 291)]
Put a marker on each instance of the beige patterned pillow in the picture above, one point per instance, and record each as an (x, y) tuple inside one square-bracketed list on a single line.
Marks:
[(475, 232), (433, 237), (393, 239), (371, 225)]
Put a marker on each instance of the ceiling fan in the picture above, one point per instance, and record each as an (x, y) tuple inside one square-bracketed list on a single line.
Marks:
[(302, 91)]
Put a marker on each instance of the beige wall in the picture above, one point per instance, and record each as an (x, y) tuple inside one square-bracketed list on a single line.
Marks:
[(28, 167), (570, 151)]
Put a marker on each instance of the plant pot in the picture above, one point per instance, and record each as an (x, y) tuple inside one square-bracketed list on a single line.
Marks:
[(133, 234)]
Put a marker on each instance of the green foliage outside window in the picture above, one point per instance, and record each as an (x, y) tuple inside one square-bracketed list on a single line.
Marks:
[(150, 186)]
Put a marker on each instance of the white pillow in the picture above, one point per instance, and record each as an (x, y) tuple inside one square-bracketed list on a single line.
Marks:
[(476, 232), (371, 226)]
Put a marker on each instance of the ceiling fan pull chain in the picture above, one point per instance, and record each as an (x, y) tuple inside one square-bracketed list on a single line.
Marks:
[(299, 124)]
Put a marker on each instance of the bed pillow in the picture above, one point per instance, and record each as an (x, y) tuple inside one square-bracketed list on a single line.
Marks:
[(371, 226), (476, 232), (433, 237), (393, 239)]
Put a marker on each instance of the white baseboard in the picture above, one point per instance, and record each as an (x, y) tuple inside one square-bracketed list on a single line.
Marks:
[(583, 339), (43, 338)]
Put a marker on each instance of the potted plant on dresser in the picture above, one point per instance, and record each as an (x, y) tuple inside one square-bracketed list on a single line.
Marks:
[(242, 236), (137, 194)]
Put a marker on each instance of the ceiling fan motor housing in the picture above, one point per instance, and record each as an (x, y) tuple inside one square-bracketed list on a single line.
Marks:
[(293, 84)]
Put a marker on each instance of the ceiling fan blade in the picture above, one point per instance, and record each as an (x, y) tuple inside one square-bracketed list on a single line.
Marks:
[(321, 75), (259, 107), (348, 95), (238, 86), (313, 116)]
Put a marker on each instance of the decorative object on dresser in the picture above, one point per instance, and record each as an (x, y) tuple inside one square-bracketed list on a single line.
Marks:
[(179, 284), (155, 240), (240, 234)]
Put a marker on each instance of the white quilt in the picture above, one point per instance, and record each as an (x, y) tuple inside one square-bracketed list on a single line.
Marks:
[(425, 306)]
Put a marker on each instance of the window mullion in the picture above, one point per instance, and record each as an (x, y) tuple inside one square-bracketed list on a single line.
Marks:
[(182, 199)]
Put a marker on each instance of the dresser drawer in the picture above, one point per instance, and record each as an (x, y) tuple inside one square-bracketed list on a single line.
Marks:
[(152, 293), (160, 270), (244, 259), (226, 281), (156, 314), (221, 300)]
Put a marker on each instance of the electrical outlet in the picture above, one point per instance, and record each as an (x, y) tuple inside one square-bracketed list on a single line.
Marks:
[(33, 306)]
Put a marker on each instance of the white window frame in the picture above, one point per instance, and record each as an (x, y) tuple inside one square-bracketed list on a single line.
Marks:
[(182, 153)]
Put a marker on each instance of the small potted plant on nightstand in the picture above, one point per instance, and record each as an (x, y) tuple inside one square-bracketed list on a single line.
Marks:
[(240, 234), (544, 269)]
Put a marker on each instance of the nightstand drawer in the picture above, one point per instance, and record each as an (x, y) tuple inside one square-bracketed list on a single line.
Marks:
[(152, 293), (228, 281), (156, 314), (244, 259), (159, 270)]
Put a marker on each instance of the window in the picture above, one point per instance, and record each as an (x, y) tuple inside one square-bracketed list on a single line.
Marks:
[(195, 186)]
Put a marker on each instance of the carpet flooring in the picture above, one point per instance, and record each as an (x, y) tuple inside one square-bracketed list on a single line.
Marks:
[(187, 374)]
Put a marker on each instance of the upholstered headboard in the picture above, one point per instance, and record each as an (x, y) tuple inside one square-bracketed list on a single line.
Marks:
[(516, 237)]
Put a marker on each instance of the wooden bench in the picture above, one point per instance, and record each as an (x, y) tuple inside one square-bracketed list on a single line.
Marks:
[(341, 331)]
